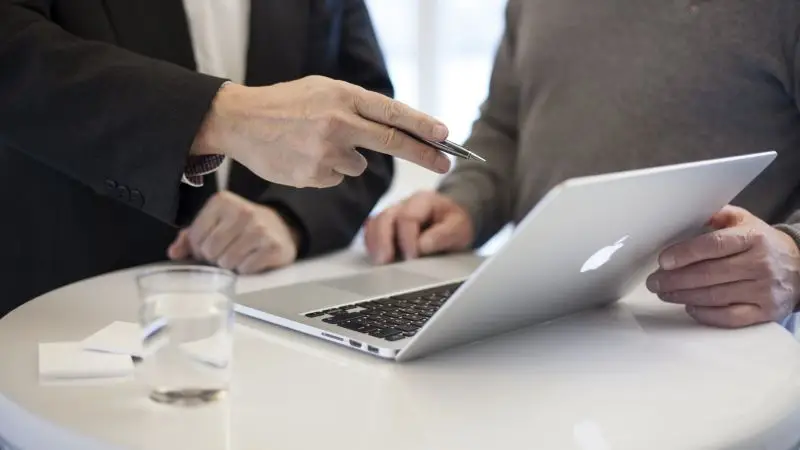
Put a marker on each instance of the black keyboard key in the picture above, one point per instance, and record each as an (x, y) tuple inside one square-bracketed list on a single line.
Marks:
[(409, 333), (378, 331), (395, 337), (315, 314), (407, 328), (384, 332), (420, 323), (343, 317), (352, 324)]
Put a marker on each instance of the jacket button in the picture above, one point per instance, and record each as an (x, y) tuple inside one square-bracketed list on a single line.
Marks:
[(137, 199), (123, 193)]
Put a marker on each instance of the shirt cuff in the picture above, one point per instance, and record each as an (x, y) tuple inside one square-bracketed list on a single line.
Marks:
[(199, 166)]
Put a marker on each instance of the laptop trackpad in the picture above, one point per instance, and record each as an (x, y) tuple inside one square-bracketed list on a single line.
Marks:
[(381, 282)]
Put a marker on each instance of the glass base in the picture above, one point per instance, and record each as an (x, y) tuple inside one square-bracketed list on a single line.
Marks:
[(187, 397)]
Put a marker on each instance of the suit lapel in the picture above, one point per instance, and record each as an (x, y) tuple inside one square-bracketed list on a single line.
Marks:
[(278, 41), (156, 28)]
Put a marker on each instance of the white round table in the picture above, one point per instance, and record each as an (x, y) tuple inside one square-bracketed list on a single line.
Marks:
[(639, 375)]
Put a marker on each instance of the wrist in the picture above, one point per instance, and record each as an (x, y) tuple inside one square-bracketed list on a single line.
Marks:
[(293, 224), (792, 234), (295, 233), (213, 135)]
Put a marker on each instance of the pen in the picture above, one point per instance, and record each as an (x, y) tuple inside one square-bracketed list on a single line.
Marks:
[(450, 148)]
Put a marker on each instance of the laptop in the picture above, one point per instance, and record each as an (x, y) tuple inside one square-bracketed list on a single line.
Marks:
[(586, 244)]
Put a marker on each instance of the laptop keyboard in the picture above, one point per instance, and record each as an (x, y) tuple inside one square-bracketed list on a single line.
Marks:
[(392, 318)]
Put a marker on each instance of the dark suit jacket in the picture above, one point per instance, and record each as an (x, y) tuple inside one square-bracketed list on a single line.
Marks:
[(99, 104)]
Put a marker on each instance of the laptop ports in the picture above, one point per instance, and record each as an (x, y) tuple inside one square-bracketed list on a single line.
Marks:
[(373, 349), (355, 344)]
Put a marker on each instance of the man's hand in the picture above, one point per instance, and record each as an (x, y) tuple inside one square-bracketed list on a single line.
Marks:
[(744, 273), (304, 133), (423, 224), (237, 234)]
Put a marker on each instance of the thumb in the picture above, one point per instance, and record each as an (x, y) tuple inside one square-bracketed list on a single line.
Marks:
[(729, 216), (180, 247), (448, 235)]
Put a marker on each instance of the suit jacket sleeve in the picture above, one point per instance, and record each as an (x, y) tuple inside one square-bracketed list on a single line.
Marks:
[(485, 190), (119, 123), (329, 219)]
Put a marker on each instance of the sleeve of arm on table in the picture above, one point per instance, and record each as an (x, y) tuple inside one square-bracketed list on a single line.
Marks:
[(484, 189)]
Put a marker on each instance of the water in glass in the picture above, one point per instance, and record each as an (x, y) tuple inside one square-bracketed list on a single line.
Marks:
[(187, 324)]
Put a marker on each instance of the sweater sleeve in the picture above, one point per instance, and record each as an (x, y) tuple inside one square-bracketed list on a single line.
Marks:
[(484, 189)]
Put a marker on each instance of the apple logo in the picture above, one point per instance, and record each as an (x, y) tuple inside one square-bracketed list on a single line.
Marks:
[(602, 256)]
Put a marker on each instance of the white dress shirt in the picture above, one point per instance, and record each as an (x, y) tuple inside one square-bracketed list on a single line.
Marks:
[(220, 32)]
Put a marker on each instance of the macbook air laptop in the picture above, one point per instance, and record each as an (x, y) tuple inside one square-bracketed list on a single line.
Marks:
[(587, 243)]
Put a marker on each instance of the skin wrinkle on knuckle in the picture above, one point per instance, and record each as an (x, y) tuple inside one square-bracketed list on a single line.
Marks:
[(718, 242), (391, 111), (755, 237), (388, 138), (355, 101), (424, 125)]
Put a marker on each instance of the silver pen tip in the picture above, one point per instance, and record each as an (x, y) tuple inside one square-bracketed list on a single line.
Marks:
[(474, 156)]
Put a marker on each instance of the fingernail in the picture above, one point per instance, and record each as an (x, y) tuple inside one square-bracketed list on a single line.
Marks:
[(442, 164), (667, 262), (652, 284), (440, 132), (382, 258)]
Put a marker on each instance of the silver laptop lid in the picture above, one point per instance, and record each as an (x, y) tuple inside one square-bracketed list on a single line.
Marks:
[(587, 243)]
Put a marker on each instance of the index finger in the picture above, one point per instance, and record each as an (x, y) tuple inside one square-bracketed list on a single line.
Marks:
[(384, 110), (715, 245), (391, 141)]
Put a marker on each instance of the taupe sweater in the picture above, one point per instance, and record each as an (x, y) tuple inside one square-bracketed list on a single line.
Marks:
[(591, 86)]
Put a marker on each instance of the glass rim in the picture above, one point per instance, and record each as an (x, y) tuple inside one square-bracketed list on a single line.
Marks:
[(187, 268)]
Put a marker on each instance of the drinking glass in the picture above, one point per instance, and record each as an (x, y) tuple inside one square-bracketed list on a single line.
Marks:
[(186, 316)]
